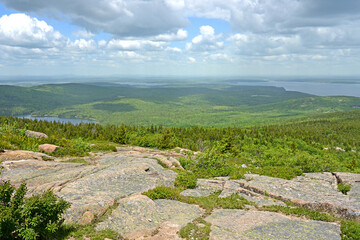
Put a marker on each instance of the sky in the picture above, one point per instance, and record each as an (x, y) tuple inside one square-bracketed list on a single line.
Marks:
[(180, 37)]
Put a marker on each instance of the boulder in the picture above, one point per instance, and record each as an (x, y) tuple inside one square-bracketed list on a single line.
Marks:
[(49, 148), (30, 133), (86, 218)]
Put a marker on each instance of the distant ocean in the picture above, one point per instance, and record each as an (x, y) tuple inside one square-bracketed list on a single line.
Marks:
[(316, 88)]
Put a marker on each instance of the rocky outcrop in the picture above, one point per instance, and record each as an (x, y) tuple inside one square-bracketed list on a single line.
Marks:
[(90, 188), (138, 215), (16, 155), (166, 158), (116, 181), (354, 181), (239, 224), (30, 133), (205, 187), (315, 191)]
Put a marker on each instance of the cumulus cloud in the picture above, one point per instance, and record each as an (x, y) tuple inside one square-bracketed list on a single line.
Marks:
[(268, 30), (23, 31), (84, 45), (276, 15), (207, 40), (180, 35), (262, 45), (120, 44), (175, 4), (83, 34), (154, 17), (118, 17)]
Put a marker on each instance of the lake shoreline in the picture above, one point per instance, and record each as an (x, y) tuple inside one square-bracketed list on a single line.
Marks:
[(74, 121)]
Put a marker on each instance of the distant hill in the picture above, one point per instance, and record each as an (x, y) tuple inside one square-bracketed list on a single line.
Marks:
[(176, 105)]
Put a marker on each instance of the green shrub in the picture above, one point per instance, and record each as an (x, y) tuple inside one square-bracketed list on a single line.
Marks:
[(212, 201), (74, 147), (185, 180), (344, 188), (186, 163), (161, 163), (301, 212), (89, 231), (30, 218), (350, 230), (279, 172), (198, 229), (103, 147), (163, 192)]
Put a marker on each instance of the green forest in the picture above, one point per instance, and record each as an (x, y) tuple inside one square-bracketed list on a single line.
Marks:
[(180, 105), (326, 142)]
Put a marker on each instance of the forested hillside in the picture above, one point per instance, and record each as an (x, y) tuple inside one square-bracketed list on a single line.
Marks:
[(208, 105), (21, 100), (328, 142)]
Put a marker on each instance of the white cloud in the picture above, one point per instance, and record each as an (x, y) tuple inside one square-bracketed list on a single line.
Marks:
[(102, 43), (173, 49), (121, 44), (220, 57), (180, 35), (175, 4), (207, 40), (83, 34), (85, 45), (118, 17), (24, 31), (263, 45), (270, 31), (130, 55)]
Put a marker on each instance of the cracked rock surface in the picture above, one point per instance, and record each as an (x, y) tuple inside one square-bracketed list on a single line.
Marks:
[(138, 215), (116, 181), (90, 187), (239, 224)]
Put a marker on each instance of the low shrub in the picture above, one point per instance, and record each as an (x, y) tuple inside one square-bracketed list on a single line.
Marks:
[(198, 229), (163, 192), (186, 163), (350, 230), (301, 212), (212, 201), (103, 147), (39, 216), (344, 188), (185, 180), (279, 172), (89, 232)]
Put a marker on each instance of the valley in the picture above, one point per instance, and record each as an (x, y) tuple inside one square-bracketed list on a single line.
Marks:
[(209, 105)]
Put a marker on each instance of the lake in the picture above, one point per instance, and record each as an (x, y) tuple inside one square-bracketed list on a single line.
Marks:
[(74, 121)]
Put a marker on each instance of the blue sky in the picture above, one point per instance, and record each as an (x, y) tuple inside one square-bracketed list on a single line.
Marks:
[(179, 37)]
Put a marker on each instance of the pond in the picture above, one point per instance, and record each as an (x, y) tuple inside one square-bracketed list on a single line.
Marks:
[(74, 121)]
